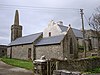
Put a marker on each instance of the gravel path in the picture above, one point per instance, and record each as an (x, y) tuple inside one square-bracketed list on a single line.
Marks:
[(11, 70)]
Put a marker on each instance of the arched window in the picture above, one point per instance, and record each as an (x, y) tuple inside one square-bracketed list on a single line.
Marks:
[(71, 46)]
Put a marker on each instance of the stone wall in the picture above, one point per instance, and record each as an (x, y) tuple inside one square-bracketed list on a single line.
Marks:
[(21, 51), (70, 53), (89, 53), (3, 50), (8, 51), (50, 51), (79, 65), (62, 50), (92, 35), (80, 41)]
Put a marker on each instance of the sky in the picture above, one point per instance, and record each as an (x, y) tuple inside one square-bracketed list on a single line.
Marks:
[(36, 14)]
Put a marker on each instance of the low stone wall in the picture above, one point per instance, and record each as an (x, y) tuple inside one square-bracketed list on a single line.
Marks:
[(89, 53), (79, 64)]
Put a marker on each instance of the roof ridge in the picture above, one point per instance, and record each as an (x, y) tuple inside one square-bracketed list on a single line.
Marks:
[(2, 45), (25, 39), (76, 29), (67, 27), (63, 25), (54, 36)]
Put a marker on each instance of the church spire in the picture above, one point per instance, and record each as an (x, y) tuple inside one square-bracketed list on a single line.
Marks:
[(16, 29), (16, 21)]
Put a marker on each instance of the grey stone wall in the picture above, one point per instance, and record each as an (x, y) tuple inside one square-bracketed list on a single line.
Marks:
[(79, 65), (89, 53), (61, 51), (92, 35), (21, 51), (3, 50), (50, 51), (8, 51), (66, 45)]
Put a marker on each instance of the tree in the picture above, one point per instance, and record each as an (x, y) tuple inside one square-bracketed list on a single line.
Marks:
[(94, 22)]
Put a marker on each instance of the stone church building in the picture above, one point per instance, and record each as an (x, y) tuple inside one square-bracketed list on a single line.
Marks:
[(56, 41)]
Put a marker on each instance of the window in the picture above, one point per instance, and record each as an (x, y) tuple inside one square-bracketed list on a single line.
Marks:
[(2, 51), (94, 54), (90, 44), (49, 33), (29, 53), (71, 46)]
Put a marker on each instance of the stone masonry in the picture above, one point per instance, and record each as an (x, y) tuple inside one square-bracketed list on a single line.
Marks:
[(20, 52), (50, 51)]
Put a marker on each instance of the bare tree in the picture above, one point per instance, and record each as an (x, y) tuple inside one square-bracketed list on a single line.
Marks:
[(95, 24)]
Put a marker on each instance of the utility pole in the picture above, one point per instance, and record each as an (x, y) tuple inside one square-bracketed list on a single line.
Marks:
[(81, 12)]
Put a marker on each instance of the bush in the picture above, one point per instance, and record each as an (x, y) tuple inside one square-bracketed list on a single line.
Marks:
[(81, 47)]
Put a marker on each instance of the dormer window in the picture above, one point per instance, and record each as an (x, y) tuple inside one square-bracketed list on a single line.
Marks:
[(49, 33)]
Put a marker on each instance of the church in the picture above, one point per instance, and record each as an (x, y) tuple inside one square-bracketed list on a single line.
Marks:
[(56, 41)]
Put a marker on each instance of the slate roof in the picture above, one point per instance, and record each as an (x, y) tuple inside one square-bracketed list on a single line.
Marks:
[(63, 28), (77, 32), (50, 40), (25, 39), (44, 41)]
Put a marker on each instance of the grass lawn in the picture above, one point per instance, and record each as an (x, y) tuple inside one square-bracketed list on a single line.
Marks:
[(18, 63)]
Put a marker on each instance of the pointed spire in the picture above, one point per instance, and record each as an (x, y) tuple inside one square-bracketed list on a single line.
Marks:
[(16, 21)]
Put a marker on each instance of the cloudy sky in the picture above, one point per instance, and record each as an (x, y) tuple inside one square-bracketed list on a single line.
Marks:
[(36, 14)]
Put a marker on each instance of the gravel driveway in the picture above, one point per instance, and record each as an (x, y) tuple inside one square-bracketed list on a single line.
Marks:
[(10, 70)]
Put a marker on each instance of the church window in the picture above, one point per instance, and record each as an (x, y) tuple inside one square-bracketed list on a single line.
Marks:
[(49, 33), (71, 46)]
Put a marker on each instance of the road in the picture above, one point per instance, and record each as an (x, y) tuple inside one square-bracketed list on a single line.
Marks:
[(11, 70)]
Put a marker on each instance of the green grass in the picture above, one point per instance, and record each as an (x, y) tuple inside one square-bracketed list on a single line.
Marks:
[(96, 70), (19, 63)]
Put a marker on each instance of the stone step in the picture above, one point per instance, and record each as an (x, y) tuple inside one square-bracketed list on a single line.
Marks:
[(65, 72)]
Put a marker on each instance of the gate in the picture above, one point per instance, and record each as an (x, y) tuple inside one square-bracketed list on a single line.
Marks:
[(45, 67), (52, 65)]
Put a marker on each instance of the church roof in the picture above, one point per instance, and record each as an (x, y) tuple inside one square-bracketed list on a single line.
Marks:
[(77, 32), (50, 40), (25, 39), (63, 28)]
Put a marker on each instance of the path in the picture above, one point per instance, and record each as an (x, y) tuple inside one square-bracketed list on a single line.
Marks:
[(10, 70)]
